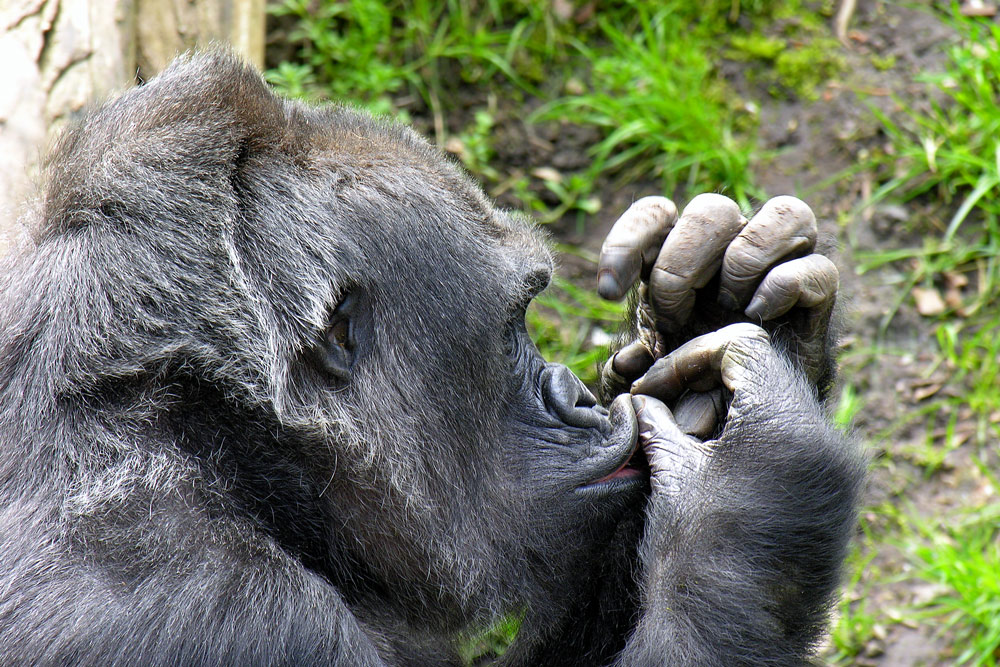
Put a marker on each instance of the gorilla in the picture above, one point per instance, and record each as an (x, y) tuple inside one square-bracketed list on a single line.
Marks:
[(267, 398)]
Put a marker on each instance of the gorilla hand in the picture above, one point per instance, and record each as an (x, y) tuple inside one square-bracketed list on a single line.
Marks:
[(695, 376), (744, 532), (710, 268)]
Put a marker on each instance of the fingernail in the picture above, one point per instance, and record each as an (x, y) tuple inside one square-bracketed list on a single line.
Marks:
[(608, 287), (638, 403), (632, 361), (756, 308), (728, 300)]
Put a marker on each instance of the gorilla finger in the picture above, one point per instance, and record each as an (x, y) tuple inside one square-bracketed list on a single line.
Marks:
[(691, 255), (611, 383), (809, 282), (632, 361), (672, 454), (698, 413), (632, 245), (784, 227), (703, 363), (656, 421)]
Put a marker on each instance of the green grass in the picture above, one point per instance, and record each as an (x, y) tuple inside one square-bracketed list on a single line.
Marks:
[(949, 154), (961, 554), (644, 74)]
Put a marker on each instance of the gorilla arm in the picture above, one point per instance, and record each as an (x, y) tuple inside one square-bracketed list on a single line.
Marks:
[(745, 534)]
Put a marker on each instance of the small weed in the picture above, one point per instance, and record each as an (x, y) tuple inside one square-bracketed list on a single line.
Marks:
[(849, 405), (492, 642), (474, 146), (882, 63), (804, 68)]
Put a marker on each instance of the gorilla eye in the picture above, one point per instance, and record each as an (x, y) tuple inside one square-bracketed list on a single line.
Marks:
[(339, 333), (335, 352)]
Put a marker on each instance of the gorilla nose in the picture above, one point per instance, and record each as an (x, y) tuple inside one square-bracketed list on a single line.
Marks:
[(569, 399)]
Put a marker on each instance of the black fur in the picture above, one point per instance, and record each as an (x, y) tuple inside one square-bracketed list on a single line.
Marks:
[(182, 483)]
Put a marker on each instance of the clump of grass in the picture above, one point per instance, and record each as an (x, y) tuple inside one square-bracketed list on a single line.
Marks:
[(655, 93), (962, 556), (951, 151)]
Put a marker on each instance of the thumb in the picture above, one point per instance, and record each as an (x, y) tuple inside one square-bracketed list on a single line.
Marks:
[(673, 456)]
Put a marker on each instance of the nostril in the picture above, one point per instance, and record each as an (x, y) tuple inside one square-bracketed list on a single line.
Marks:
[(569, 399)]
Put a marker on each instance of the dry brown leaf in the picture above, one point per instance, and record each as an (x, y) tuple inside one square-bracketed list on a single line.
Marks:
[(547, 174), (929, 301), (955, 279), (923, 393)]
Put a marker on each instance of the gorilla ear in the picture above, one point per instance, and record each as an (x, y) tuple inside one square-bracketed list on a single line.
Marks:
[(335, 351)]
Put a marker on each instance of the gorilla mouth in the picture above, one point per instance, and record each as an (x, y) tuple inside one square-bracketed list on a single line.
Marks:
[(635, 466), (632, 464)]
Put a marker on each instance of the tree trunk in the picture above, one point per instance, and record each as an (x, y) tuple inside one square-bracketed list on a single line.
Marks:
[(59, 55)]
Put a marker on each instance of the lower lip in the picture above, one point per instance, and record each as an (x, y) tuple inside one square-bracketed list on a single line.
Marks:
[(625, 472), (630, 480)]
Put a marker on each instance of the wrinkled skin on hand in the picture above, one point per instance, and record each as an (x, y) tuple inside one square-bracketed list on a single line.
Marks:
[(710, 267), (716, 362)]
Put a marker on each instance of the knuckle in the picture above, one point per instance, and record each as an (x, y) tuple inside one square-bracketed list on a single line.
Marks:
[(711, 201), (744, 334), (655, 205), (793, 207)]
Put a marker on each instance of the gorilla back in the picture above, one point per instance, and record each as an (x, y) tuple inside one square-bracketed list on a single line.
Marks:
[(266, 397)]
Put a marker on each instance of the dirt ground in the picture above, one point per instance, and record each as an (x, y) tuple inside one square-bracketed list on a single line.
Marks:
[(894, 371)]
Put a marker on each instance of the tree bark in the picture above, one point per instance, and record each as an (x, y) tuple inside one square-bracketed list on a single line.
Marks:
[(168, 27), (59, 55)]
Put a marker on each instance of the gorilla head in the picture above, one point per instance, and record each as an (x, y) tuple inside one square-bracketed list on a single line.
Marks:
[(307, 324), (266, 397)]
